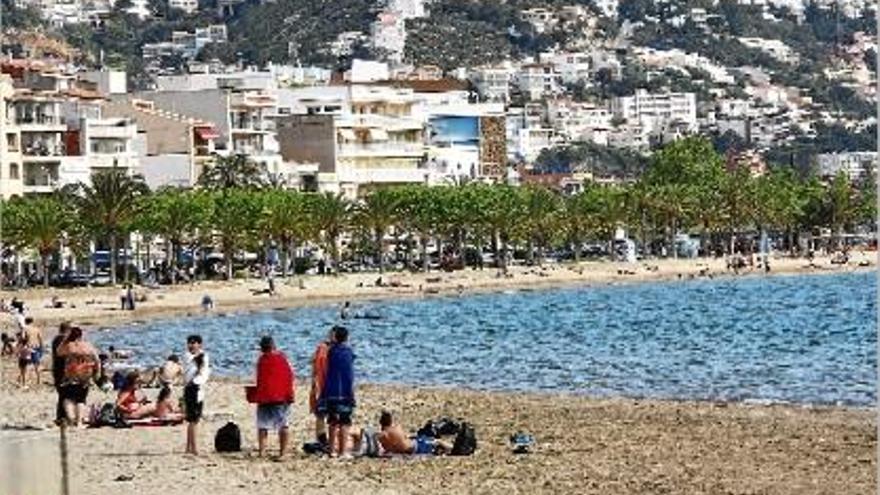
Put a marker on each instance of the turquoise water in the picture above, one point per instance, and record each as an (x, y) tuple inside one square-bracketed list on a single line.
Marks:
[(800, 339)]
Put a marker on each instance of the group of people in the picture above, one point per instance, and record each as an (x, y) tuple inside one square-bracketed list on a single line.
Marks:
[(331, 401), (77, 365)]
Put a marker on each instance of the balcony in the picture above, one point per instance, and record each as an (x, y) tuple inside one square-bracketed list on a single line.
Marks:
[(40, 178), (380, 149), (40, 122), (43, 149)]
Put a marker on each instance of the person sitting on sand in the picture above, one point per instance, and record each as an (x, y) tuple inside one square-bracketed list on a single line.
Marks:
[(171, 372), (130, 404), (395, 441), (7, 341), (165, 408)]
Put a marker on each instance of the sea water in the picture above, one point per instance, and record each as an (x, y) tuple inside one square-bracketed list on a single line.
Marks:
[(799, 339)]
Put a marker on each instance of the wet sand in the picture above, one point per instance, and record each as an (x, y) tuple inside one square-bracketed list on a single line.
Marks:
[(584, 446)]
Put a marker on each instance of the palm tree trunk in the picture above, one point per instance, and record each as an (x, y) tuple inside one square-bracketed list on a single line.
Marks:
[(577, 249), (45, 258), (227, 252), (380, 258), (126, 246), (334, 249), (113, 256), (424, 242)]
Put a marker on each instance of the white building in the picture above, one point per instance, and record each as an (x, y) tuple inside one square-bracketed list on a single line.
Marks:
[(579, 121), (607, 7), (388, 35), (188, 6), (571, 67), (537, 81), (657, 111), (493, 82), (54, 134), (407, 9), (855, 164), (360, 136)]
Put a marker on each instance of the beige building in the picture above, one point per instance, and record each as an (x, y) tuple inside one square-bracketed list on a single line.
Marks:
[(10, 145), (360, 137), (172, 149)]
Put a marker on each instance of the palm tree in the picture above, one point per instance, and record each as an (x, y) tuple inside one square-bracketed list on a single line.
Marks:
[(230, 172), (378, 213), (236, 214), (330, 214), (285, 219), (109, 205), (842, 206), (176, 215), (37, 223)]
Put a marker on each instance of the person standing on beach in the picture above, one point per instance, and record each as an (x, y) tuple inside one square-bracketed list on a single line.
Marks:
[(58, 368), (275, 390), (81, 366), (198, 370), (319, 376), (337, 397), (31, 350)]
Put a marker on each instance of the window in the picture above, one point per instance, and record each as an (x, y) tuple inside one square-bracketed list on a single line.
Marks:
[(13, 171)]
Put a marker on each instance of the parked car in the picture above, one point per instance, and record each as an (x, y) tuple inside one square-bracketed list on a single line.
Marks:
[(69, 278)]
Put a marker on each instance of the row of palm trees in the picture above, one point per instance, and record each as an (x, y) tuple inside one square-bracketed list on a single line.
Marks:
[(687, 188)]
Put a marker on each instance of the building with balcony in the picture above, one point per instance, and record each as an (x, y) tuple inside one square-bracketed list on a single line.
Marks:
[(493, 82), (10, 144), (360, 136), (54, 134), (172, 149), (537, 81), (655, 112), (242, 118)]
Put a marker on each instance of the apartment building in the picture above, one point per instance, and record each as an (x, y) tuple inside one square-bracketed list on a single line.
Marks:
[(188, 6), (54, 134), (578, 121), (493, 82), (360, 136), (857, 165), (242, 118), (657, 111), (537, 81), (10, 144), (572, 67), (172, 149)]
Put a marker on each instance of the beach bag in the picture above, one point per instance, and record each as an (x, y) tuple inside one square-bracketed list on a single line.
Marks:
[(466, 441), (439, 428), (228, 438)]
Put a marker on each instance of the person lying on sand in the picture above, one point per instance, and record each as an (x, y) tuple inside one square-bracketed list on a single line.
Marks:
[(165, 408), (130, 403), (394, 440)]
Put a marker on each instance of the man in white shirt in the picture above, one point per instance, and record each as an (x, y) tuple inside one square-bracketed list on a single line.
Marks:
[(196, 374)]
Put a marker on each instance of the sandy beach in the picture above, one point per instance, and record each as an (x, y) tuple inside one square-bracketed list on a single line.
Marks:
[(614, 446), (99, 307), (584, 445)]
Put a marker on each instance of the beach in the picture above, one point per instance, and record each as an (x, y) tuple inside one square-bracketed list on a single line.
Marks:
[(613, 446), (100, 307), (584, 444)]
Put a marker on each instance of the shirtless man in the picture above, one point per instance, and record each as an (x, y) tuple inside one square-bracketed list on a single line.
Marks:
[(31, 350), (394, 440)]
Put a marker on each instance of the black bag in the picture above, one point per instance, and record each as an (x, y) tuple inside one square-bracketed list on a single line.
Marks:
[(228, 438), (439, 428), (466, 441)]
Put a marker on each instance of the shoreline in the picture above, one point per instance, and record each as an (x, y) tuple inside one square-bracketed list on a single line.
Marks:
[(97, 307)]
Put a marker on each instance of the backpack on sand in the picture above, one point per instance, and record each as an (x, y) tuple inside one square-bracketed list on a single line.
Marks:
[(228, 438), (466, 440)]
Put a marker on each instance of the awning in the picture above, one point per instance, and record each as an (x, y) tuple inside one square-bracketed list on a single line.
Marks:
[(207, 133)]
